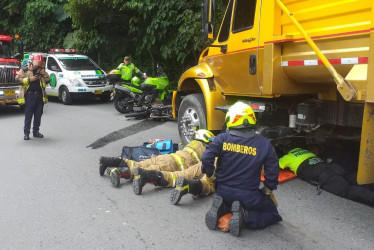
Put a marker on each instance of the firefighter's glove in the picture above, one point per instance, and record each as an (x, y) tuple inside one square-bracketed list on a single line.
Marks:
[(268, 192), (212, 179)]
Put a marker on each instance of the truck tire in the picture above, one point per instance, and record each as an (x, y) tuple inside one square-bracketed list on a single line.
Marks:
[(123, 104), (65, 96), (191, 117)]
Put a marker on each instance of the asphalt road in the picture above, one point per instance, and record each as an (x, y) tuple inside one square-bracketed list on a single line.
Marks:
[(52, 197)]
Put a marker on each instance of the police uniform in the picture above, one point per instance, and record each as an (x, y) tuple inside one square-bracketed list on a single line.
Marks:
[(238, 173), (127, 71), (178, 161), (34, 98), (329, 176)]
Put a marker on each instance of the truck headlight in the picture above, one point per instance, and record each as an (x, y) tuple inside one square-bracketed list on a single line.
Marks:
[(76, 83), (1, 92)]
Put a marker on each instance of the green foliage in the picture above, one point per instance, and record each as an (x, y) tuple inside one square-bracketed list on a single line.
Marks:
[(163, 31), (42, 24)]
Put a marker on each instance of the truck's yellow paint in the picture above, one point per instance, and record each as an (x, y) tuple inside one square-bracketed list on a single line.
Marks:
[(338, 30)]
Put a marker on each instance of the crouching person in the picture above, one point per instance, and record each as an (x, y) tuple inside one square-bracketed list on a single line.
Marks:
[(241, 154)]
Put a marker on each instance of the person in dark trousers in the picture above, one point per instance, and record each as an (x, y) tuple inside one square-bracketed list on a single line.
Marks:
[(33, 79), (331, 177), (241, 155)]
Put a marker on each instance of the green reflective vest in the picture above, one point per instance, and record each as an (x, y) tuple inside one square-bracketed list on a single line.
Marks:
[(294, 158), (127, 71)]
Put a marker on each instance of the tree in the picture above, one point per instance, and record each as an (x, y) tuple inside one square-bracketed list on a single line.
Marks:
[(42, 24)]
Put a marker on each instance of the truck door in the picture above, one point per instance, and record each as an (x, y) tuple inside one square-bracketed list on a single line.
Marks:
[(236, 69)]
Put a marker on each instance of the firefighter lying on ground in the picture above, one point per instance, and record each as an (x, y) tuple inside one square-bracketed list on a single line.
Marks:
[(190, 180), (331, 177), (178, 161), (241, 154)]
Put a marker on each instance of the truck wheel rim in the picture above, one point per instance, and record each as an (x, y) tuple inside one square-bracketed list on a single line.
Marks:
[(189, 122)]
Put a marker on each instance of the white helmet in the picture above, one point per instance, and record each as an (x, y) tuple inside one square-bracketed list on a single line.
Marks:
[(204, 135)]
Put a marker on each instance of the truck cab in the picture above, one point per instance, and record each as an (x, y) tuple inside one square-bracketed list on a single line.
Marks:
[(75, 76), (306, 65)]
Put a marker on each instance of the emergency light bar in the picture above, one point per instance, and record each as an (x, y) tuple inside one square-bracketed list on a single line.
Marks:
[(62, 50)]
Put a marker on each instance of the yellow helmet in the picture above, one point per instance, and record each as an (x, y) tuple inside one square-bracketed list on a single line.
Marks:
[(204, 135), (240, 115)]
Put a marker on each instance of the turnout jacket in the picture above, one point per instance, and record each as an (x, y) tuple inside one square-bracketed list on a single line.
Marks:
[(23, 77), (190, 155), (240, 161)]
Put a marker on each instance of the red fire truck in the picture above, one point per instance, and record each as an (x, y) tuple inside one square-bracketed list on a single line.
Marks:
[(9, 66)]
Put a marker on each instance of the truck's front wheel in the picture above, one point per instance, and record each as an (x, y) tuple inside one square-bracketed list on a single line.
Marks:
[(191, 116)]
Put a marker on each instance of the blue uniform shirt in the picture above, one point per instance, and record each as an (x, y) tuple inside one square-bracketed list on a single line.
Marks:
[(240, 161)]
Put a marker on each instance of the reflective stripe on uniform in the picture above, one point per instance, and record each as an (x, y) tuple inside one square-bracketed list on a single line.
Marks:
[(21, 101), (173, 178), (193, 152), (131, 163), (179, 161)]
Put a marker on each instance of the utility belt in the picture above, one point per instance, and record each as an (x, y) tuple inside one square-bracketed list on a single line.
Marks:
[(34, 92), (308, 163)]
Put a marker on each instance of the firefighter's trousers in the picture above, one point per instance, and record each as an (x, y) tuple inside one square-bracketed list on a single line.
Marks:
[(190, 173), (261, 210), (164, 162)]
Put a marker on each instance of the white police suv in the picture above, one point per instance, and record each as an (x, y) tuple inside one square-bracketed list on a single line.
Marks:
[(75, 76)]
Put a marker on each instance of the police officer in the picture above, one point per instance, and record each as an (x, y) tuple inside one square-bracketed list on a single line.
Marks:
[(33, 79), (180, 160), (241, 154), (331, 177), (128, 69)]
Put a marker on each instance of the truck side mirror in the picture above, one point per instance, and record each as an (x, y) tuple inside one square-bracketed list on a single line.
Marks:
[(208, 8), (18, 56), (20, 48)]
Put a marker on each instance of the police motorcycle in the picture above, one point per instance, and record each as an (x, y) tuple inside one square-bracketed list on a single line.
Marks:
[(141, 94)]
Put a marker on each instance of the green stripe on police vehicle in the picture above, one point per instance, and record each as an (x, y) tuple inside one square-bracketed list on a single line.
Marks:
[(53, 80)]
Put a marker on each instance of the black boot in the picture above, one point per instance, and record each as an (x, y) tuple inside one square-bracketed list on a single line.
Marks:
[(217, 210), (184, 186), (108, 162), (117, 173), (142, 177), (237, 219), (38, 135)]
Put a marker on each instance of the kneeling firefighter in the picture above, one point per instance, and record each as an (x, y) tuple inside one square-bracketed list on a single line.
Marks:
[(241, 154)]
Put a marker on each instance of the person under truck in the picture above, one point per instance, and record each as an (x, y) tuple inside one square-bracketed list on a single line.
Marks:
[(241, 154), (180, 160), (33, 80), (190, 180), (128, 69), (331, 177)]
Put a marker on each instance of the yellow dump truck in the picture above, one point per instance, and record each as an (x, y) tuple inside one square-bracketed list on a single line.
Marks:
[(306, 64)]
